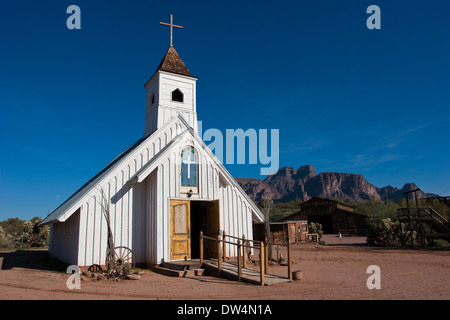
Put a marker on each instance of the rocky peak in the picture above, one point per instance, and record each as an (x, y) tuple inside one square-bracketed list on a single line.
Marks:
[(304, 183), (306, 172)]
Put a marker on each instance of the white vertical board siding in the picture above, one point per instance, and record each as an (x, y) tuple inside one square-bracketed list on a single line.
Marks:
[(93, 233), (162, 85), (139, 222), (159, 213), (169, 83), (166, 208), (88, 254), (140, 211), (65, 239), (151, 211), (82, 236), (236, 214)]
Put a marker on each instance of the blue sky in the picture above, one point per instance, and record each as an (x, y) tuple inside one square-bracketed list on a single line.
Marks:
[(345, 98)]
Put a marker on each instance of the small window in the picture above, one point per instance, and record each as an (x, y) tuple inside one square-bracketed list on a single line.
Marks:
[(177, 95), (153, 98)]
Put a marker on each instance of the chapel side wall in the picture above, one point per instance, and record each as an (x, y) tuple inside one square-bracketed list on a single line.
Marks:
[(151, 220), (65, 239), (236, 216), (139, 218), (123, 217)]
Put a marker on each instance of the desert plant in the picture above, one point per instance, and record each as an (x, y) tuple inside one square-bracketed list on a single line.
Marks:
[(315, 227), (381, 231)]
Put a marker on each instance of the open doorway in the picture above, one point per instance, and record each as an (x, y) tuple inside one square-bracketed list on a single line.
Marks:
[(205, 217), (326, 220)]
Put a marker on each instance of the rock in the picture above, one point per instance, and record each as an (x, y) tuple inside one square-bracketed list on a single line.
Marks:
[(100, 277), (289, 184), (133, 277)]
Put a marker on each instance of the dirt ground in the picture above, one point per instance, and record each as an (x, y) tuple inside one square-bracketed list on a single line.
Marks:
[(335, 271)]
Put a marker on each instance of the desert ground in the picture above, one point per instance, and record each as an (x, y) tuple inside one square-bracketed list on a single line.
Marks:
[(337, 270)]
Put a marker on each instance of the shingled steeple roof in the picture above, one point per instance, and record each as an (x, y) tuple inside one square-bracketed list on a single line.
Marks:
[(173, 63)]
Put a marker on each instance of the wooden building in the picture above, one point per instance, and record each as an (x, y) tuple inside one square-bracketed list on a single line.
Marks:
[(280, 231), (161, 191), (335, 217)]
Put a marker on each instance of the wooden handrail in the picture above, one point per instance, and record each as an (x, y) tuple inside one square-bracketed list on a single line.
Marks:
[(244, 244), (262, 249), (246, 240)]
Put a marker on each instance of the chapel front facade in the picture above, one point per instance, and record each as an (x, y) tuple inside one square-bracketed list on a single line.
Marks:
[(161, 192)]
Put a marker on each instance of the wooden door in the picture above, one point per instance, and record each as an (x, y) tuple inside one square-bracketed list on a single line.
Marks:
[(180, 230)]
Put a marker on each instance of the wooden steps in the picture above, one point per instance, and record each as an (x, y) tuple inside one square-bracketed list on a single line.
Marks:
[(180, 268), (229, 271), (426, 222)]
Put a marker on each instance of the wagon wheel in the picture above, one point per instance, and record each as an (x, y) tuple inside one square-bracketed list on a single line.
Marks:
[(124, 258), (95, 268)]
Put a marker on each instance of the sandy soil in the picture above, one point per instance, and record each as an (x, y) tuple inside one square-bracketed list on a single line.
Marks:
[(335, 271)]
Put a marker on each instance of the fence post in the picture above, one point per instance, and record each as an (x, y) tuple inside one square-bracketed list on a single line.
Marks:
[(244, 251), (201, 248), (289, 260), (219, 255), (266, 255), (261, 263), (223, 247), (239, 260)]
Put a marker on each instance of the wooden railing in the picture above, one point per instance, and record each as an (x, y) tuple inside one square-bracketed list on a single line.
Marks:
[(427, 213), (243, 245), (221, 248)]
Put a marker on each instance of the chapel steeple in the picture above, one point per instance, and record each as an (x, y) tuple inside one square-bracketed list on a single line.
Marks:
[(171, 90), (173, 63)]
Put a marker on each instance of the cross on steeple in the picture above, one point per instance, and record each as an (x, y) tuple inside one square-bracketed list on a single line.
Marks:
[(171, 25)]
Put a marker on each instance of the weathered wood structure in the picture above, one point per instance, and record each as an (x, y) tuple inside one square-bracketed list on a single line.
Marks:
[(294, 231), (423, 223), (335, 217)]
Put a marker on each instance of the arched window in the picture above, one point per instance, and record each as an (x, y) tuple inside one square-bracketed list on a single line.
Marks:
[(189, 170), (177, 95)]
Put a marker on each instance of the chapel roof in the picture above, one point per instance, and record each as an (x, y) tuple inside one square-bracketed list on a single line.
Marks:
[(173, 63)]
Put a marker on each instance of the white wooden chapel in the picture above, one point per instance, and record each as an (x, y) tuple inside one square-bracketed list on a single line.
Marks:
[(162, 190)]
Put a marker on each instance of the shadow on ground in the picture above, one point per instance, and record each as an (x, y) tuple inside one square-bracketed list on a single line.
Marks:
[(335, 240), (30, 259)]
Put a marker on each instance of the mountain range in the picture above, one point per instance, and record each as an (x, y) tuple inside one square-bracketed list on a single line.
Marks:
[(304, 183)]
